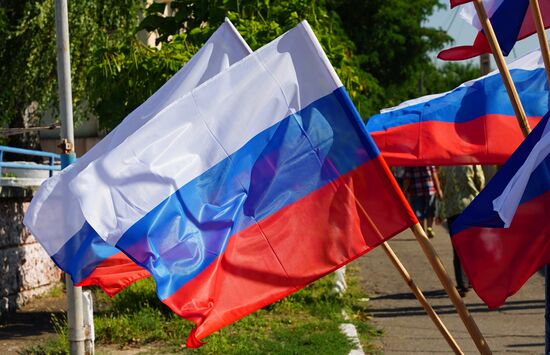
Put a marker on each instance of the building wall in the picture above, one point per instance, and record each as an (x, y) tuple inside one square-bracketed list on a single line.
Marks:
[(81, 145), (26, 270)]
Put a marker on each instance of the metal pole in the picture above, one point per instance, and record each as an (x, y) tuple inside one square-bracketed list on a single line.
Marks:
[(74, 294), (64, 70)]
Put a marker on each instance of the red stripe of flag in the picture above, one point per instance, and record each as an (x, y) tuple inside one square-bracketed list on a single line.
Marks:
[(498, 261), (114, 274), (293, 247), (489, 139)]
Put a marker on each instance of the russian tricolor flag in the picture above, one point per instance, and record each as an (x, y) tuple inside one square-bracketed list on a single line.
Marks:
[(256, 183), (512, 20), (502, 237), (472, 124), (85, 256)]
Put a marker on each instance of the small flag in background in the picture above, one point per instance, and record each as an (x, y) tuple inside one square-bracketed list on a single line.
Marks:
[(85, 256), (255, 184), (472, 124), (512, 20), (459, 2), (502, 237)]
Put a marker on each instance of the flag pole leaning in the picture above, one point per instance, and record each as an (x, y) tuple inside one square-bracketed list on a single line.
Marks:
[(501, 64), (75, 311), (412, 285), (543, 42), (447, 283), (421, 298), (502, 67)]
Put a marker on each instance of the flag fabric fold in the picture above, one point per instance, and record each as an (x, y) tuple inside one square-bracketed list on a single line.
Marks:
[(501, 237), (253, 185), (472, 124), (86, 257), (512, 20)]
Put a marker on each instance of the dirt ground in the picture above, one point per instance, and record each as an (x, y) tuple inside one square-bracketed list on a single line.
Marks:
[(516, 327), (30, 325)]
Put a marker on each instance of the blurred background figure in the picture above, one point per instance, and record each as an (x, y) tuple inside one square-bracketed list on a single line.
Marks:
[(398, 172), (421, 186), (460, 185)]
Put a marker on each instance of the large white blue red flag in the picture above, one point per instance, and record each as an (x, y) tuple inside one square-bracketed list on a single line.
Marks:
[(472, 124), (512, 20), (502, 237), (86, 257), (256, 183)]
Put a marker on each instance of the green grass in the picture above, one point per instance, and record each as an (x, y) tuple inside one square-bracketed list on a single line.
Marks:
[(56, 291), (306, 322)]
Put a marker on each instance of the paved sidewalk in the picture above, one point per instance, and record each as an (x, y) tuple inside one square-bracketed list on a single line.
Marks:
[(516, 327)]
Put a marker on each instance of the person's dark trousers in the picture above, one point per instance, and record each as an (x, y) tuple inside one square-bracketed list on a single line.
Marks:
[(462, 283)]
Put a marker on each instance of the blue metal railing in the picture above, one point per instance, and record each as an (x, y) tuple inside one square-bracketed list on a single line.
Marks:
[(51, 157)]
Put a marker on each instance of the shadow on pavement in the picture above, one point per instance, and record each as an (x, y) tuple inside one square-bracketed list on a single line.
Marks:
[(444, 309), (410, 296), (526, 345)]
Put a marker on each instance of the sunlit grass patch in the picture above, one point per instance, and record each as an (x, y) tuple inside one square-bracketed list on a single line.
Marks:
[(306, 322)]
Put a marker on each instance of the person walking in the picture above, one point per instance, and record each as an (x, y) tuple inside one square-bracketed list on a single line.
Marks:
[(421, 187), (460, 185)]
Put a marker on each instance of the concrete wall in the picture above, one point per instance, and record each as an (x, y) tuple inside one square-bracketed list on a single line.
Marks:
[(26, 270)]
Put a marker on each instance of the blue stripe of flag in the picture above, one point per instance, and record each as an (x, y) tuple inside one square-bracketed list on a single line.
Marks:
[(467, 103), (507, 21)]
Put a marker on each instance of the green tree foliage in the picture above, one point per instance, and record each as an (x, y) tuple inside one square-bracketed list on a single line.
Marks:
[(28, 50), (393, 45), (447, 77), (389, 36), (378, 47), (125, 74), (259, 22)]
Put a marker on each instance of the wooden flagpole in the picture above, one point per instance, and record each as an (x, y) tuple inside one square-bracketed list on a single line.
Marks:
[(412, 285), (419, 233), (421, 298), (447, 283), (524, 125), (409, 281), (502, 67), (543, 42)]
